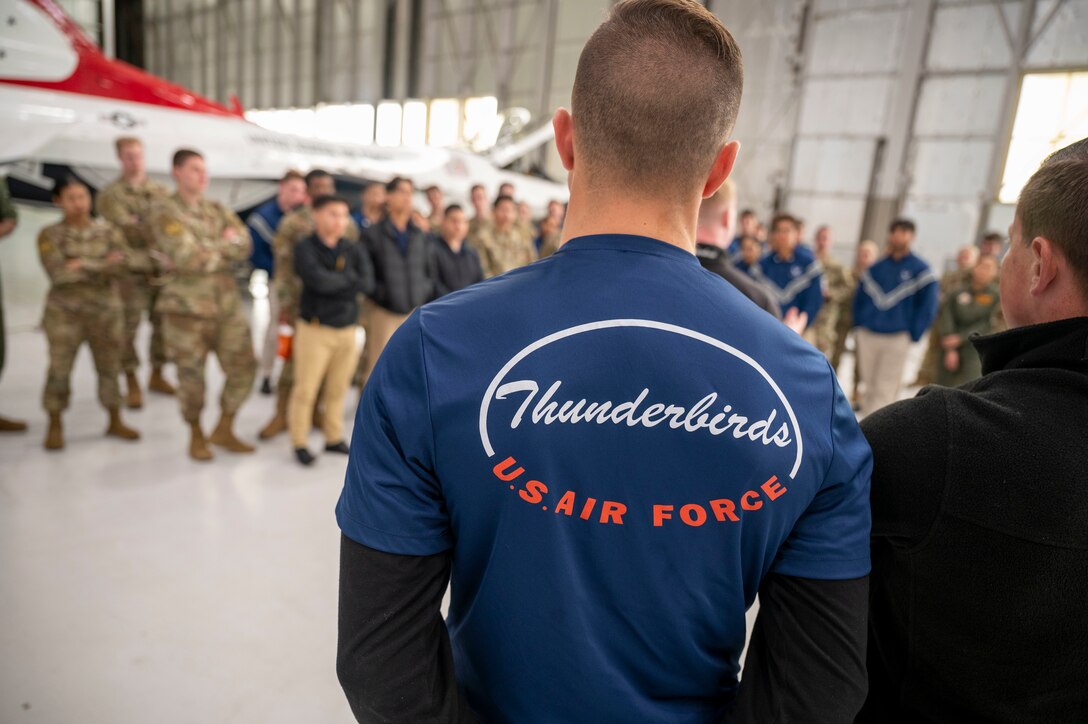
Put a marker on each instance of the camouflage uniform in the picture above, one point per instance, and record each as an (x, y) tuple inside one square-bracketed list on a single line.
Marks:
[(502, 251), (127, 207), (83, 305), (295, 227), (550, 243), (200, 304), (839, 288), (965, 311), (932, 363)]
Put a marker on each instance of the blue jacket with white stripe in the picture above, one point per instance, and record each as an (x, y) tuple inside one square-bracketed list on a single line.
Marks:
[(262, 223), (897, 296), (795, 283)]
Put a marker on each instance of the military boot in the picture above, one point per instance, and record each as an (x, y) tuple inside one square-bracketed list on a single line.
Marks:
[(224, 436), (198, 446), (278, 423), (134, 400), (118, 428), (54, 438), (159, 384)]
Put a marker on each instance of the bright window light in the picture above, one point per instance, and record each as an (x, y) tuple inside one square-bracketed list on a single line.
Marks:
[(345, 123), (444, 127), (482, 122), (415, 124), (388, 126), (1053, 112)]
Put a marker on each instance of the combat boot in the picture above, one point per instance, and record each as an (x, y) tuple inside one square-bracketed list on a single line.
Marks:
[(159, 384), (9, 425), (278, 423), (118, 428), (198, 446), (134, 400), (54, 438), (224, 436)]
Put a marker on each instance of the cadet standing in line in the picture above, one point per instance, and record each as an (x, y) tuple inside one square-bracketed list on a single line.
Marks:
[(199, 240), (968, 309), (8, 219), (895, 304), (838, 292), (930, 369), (287, 287), (502, 244), (84, 257), (126, 203), (791, 271)]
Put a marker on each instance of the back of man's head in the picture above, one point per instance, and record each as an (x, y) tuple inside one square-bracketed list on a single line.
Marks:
[(1054, 205), (1078, 149), (655, 97)]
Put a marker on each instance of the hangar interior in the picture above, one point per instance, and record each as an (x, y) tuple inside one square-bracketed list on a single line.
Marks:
[(136, 589)]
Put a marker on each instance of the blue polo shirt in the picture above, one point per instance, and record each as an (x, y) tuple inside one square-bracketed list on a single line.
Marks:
[(614, 477)]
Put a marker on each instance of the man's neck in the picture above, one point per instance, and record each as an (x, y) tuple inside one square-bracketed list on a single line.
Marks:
[(711, 236), (80, 221), (786, 255), (400, 220), (454, 244), (483, 214), (603, 212), (329, 240), (373, 213), (899, 255), (192, 198), (135, 179)]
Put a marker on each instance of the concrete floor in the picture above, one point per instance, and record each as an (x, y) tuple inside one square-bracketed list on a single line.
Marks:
[(138, 586)]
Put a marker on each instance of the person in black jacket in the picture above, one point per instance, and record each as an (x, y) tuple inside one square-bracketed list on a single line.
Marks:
[(404, 271), (333, 272), (980, 505), (457, 264)]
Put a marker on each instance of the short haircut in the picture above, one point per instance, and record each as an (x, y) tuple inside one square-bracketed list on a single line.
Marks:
[(750, 238), (431, 188), (477, 187), (1054, 205), (397, 181), (371, 184), (785, 219), (123, 141), (747, 212), (503, 198), (66, 182), (292, 175), (184, 154), (451, 208), (656, 95), (993, 236), (325, 199), (1075, 150), (316, 174), (902, 224)]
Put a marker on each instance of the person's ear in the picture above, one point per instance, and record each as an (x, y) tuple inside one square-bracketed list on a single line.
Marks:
[(727, 219), (563, 124), (1044, 265), (723, 166)]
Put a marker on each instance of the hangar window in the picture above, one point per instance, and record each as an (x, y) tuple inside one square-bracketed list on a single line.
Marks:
[(1052, 113)]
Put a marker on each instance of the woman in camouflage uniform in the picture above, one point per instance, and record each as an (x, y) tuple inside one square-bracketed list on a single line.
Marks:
[(968, 309), (84, 258)]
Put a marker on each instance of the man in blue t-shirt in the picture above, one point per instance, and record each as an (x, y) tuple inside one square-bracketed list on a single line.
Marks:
[(790, 271), (610, 451), (896, 302)]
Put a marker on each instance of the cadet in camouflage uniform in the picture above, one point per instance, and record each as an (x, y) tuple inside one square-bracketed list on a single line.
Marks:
[(84, 258), (126, 204), (501, 244), (838, 291), (930, 369), (8, 219), (968, 309), (287, 287), (197, 241)]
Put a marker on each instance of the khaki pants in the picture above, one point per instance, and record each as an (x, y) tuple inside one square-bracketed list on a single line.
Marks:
[(380, 325), (321, 354), (881, 358)]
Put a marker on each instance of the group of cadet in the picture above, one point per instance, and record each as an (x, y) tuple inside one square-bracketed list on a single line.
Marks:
[(886, 301), (176, 256)]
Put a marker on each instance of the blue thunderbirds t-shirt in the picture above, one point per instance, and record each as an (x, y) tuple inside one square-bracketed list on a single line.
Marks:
[(616, 446)]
